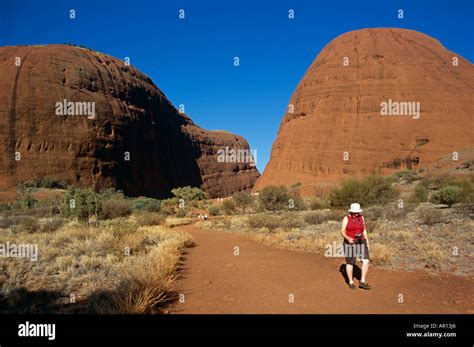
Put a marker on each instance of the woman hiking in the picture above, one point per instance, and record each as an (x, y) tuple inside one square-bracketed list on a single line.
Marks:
[(356, 244)]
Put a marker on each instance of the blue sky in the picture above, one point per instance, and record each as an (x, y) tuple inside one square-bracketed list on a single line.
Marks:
[(192, 60)]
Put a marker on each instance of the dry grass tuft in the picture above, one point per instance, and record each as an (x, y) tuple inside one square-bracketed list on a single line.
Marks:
[(118, 267)]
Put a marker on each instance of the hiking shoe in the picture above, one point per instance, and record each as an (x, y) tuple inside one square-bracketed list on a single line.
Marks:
[(364, 285), (352, 286)]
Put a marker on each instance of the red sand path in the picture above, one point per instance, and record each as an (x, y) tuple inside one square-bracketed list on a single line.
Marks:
[(261, 278)]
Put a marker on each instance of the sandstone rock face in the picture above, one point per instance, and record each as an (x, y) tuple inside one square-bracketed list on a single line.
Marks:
[(136, 141), (336, 111)]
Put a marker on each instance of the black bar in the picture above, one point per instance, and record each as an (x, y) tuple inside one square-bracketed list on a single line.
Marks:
[(89, 328)]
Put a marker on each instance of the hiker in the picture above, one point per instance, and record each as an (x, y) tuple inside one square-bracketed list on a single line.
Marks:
[(356, 244)]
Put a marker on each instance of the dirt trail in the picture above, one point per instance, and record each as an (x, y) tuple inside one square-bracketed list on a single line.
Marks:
[(262, 278)]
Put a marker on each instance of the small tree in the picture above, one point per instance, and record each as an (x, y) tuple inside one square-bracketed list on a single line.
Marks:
[(242, 200), (189, 193), (213, 210), (80, 203), (274, 198), (228, 206), (420, 194), (449, 195)]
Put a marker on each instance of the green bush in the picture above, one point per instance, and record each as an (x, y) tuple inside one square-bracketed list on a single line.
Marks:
[(420, 194), (169, 206), (45, 182), (228, 206), (146, 204), (274, 198), (80, 203), (189, 194), (181, 213), (449, 195), (242, 200), (371, 190), (213, 210)]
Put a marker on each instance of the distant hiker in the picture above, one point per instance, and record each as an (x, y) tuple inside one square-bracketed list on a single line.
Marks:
[(356, 244), (205, 217)]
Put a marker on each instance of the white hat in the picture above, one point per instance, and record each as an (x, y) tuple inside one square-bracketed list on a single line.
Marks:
[(355, 208)]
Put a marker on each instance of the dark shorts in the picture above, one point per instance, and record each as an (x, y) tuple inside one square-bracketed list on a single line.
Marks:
[(352, 251)]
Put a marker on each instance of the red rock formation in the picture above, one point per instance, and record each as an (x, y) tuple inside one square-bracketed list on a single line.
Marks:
[(166, 149), (337, 109)]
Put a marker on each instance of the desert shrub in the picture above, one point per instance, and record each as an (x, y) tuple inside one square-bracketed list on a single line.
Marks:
[(30, 225), (374, 212), (181, 213), (466, 190), (274, 198), (169, 206), (114, 208), (368, 191), (24, 199), (394, 212), (228, 206), (405, 176), (449, 195), (290, 220), (148, 218), (431, 216), (242, 200), (7, 222), (190, 195), (437, 182), (45, 182), (318, 204), (213, 210), (80, 203), (53, 224), (380, 254), (336, 215), (295, 202), (469, 164), (315, 217), (48, 182), (420, 194), (146, 204), (262, 220)]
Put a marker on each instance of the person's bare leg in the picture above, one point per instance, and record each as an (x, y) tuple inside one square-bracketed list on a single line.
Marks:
[(365, 268), (349, 270)]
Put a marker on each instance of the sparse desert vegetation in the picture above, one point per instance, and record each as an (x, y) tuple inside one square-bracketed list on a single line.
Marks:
[(405, 232), (94, 256), (117, 254)]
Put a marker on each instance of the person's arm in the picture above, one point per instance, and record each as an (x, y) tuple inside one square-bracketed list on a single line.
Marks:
[(365, 233), (343, 231)]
